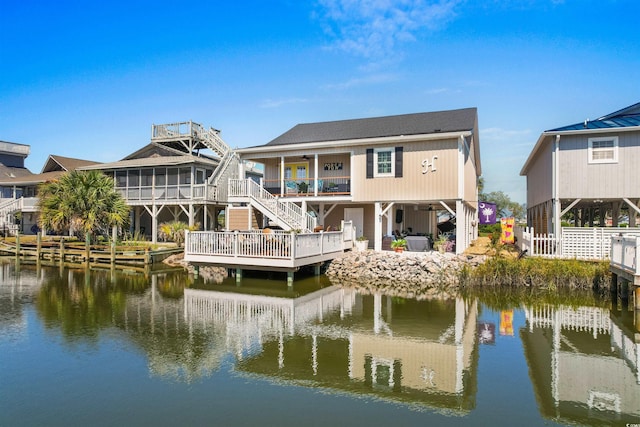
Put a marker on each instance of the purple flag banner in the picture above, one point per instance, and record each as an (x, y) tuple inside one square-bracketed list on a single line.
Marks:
[(486, 213)]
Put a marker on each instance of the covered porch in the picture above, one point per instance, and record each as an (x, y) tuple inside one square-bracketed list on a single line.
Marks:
[(294, 175)]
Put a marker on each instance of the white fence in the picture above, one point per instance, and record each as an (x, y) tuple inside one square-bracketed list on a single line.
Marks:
[(573, 242), (624, 254)]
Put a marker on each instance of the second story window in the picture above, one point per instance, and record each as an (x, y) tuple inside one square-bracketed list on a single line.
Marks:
[(603, 150), (384, 162)]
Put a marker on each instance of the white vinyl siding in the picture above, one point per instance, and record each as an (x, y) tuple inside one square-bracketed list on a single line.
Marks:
[(603, 150)]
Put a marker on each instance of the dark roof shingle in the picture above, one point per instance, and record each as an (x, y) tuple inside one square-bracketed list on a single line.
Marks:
[(375, 127)]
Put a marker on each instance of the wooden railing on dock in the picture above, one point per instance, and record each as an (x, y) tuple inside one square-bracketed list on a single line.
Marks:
[(64, 251)]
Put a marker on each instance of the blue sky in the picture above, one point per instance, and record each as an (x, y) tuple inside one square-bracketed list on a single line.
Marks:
[(88, 79)]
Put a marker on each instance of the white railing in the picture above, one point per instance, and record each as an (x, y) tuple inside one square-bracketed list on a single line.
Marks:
[(624, 254), (275, 244), (215, 143), (574, 242), (8, 206), (190, 129), (205, 192), (287, 213), (227, 169), (169, 193), (593, 319), (7, 209), (29, 204)]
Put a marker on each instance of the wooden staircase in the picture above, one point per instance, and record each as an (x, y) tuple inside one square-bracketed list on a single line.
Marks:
[(286, 214), (7, 208), (190, 137)]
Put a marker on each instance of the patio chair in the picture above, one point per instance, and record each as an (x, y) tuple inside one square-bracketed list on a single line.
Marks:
[(291, 187)]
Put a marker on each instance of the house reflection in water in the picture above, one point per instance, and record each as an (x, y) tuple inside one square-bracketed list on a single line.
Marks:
[(421, 353), (16, 288), (584, 363)]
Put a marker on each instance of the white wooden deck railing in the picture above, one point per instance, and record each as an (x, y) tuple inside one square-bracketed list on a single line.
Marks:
[(594, 319), (624, 254), (257, 244), (190, 129)]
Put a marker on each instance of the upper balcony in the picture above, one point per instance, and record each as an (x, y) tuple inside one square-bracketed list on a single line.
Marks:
[(309, 187), (169, 194)]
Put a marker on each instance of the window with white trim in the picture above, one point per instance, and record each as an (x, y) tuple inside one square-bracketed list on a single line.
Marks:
[(603, 149), (384, 161)]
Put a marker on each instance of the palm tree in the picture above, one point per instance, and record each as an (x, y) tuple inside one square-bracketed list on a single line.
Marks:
[(81, 202)]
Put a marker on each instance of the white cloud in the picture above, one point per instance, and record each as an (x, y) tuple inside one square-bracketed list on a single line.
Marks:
[(361, 81), (275, 103), (376, 28)]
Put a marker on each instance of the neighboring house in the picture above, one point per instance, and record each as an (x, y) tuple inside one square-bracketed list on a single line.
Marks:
[(170, 179), (18, 185), (12, 168), (384, 174), (589, 168)]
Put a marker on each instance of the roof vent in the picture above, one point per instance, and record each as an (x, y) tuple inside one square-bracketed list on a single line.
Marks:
[(586, 122)]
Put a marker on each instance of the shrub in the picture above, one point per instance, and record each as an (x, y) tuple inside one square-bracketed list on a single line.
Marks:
[(539, 273), (174, 231)]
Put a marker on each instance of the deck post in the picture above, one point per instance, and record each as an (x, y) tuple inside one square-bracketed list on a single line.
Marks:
[(87, 247), (38, 244), (114, 237), (196, 271), (624, 296), (290, 279), (17, 245), (238, 275), (636, 306), (61, 249), (614, 292), (316, 269)]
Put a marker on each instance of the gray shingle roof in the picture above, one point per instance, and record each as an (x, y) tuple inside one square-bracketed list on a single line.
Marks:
[(150, 162), (61, 163), (375, 127)]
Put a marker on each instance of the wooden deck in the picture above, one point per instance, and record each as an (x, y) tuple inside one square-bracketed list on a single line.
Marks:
[(258, 250), (624, 258), (79, 253)]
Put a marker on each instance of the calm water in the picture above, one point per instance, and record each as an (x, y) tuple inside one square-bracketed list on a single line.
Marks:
[(104, 348)]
